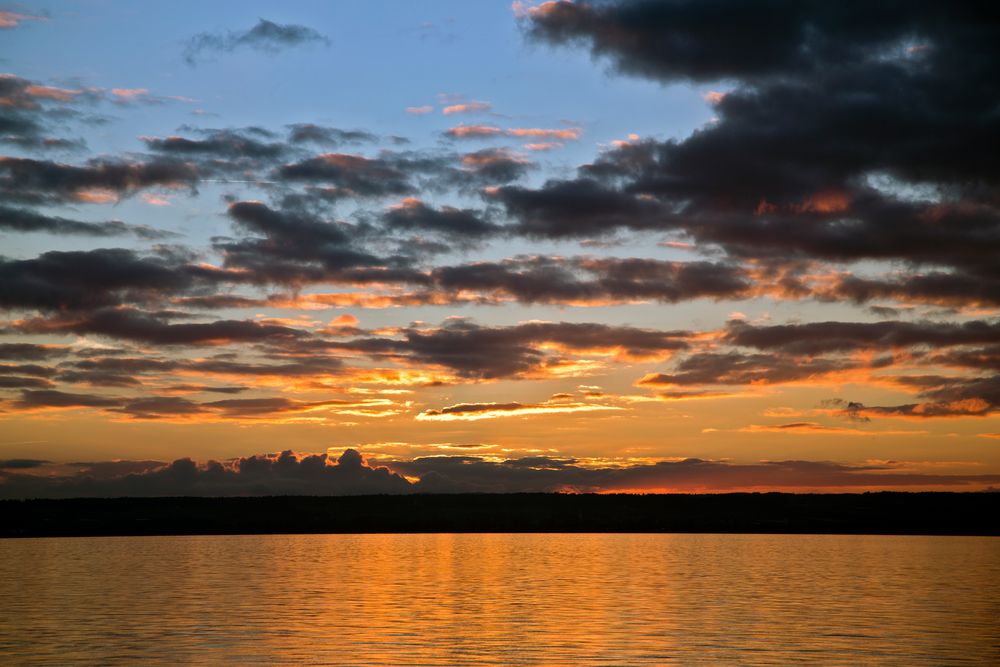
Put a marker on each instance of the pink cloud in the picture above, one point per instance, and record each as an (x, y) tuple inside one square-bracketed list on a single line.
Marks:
[(155, 200), (13, 19), (544, 146), (571, 134), (467, 107), (52, 93), (420, 110)]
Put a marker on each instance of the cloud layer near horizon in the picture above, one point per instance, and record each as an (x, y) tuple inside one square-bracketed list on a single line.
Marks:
[(289, 473)]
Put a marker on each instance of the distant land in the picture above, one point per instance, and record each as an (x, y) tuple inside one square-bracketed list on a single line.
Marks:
[(886, 513)]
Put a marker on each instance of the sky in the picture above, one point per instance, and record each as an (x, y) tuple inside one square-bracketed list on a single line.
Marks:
[(561, 246)]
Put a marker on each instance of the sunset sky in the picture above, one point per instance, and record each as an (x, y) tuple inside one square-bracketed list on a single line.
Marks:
[(670, 246)]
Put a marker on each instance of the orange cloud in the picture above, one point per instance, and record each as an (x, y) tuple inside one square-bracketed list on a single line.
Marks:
[(824, 202), (522, 10), (814, 428), (129, 93), (713, 97)]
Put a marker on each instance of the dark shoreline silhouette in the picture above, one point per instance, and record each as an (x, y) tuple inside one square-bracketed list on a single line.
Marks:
[(886, 513)]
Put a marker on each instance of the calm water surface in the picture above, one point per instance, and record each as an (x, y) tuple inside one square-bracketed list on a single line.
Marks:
[(501, 600)]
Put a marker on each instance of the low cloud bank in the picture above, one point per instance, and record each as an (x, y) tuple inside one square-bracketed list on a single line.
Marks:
[(289, 473)]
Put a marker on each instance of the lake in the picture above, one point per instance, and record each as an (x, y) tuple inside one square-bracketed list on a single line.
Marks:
[(501, 599)]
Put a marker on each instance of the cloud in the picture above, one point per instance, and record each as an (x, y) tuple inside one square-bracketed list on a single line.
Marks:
[(414, 215), (252, 145), (131, 324), (543, 146), (814, 428), (473, 131), (420, 110), (734, 368), (946, 397), (577, 208), (530, 348), (9, 19), (30, 351), (286, 473), (351, 175), (25, 220), (41, 181), (289, 473), (824, 337), (72, 280), (50, 398), (266, 36), (477, 411), (543, 474), (496, 165), (22, 464), (327, 136), (566, 134), (796, 165), (466, 107)]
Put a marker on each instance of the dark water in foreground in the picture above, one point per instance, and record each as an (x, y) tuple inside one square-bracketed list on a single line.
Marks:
[(517, 599)]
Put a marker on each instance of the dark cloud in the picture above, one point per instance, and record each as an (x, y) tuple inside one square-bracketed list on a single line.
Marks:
[(577, 208), (734, 368), (825, 337), (265, 36), (30, 351), (40, 181), (51, 398), (24, 220), (595, 280), (542, 474), (58, 280), (292, 245), (280, 364), (262, 475), (301, 133), (348, 175), (144, 327), (223, 149), (686, 40), (21, 464), (950, 288), (834, 117), (480, 352), (414, 215), (14, 382), (35, 370)]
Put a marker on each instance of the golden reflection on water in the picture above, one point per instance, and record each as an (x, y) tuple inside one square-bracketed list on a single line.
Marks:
[(501, 600)]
